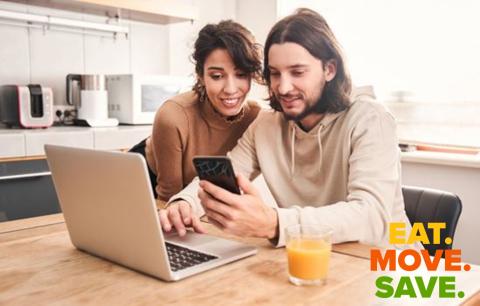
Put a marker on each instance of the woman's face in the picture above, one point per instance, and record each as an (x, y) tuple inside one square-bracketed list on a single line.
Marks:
[(225, 85)]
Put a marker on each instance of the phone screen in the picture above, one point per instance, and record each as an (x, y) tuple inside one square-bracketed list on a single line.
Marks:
[(218, 170)]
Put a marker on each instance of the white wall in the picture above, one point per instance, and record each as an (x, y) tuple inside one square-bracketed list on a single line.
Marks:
[(464, 182), (258, 17), (182, 35)]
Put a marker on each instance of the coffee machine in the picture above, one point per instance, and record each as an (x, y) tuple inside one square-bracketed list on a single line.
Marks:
[(87, 92)]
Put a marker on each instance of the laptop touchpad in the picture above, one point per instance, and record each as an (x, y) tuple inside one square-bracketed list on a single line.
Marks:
[(191, 239)]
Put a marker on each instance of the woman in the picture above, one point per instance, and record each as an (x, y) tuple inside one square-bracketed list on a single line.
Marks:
[(211, 118)]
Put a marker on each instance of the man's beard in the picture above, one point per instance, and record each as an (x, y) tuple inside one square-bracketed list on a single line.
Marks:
[(314, 108)]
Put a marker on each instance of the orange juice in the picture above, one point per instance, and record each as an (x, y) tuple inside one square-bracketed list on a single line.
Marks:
[(308, 259)]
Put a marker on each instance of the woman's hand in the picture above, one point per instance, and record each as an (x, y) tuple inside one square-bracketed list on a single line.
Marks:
[(179, 216)]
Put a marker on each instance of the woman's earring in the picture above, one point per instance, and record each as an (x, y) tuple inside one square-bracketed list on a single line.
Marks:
[(203, 93)]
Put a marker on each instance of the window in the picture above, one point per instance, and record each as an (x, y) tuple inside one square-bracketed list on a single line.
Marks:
[(422, 57)]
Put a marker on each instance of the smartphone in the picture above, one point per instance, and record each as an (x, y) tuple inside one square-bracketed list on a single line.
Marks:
[(217, 170)]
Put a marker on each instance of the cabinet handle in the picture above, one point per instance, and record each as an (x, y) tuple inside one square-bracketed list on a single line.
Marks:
[(27, 175)]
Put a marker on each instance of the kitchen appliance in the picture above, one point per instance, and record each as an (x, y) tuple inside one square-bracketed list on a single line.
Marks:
[(28, 106), (87, 92), (134, 98)]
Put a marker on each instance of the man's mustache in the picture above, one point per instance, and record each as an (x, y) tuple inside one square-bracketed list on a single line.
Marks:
[(289, 96)]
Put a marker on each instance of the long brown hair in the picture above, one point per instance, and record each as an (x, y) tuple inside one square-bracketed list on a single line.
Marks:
[(239, 43), (310, 30)]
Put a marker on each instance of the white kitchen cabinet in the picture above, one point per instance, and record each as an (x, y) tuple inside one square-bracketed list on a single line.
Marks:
[(21, 143)]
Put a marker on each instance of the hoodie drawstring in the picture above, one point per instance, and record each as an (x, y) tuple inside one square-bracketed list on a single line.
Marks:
[(319, 139), (292, 166)]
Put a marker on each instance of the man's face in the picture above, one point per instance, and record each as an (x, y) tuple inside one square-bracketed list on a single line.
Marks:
[(297, 79)]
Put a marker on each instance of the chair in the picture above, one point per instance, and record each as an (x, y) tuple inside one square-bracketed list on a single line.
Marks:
[(430, 205), (140, 149)]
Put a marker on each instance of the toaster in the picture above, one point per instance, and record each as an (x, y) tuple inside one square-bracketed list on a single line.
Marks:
[(28, 106)]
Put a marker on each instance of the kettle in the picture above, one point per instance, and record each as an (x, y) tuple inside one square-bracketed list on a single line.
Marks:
[(87, 92)]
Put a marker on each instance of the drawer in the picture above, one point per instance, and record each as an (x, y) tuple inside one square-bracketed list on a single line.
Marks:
[(26, 190)]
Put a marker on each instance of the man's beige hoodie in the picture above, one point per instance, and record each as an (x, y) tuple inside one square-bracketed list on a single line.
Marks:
[(343, 173)]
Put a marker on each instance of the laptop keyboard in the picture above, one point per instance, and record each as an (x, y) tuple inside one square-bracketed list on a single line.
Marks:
[(181, 258)]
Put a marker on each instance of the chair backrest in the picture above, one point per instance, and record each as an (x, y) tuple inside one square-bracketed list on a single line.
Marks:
[(430, 205)]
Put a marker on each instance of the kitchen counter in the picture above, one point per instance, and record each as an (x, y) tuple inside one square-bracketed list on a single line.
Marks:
[(18, 143), (440, 158)]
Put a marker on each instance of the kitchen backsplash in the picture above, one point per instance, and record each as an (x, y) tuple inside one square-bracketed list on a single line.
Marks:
[(32, 55)]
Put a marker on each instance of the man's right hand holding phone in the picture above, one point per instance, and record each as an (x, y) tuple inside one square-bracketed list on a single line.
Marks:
[(179, 215), (244, 215)]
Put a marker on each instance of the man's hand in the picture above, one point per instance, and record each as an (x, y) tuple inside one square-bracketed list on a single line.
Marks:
[(179, 216), (241, 215)]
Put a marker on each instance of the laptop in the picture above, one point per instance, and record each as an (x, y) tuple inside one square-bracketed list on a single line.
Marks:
[(110, 212)]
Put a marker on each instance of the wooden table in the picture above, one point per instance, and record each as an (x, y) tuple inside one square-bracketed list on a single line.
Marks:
[(39, 266)]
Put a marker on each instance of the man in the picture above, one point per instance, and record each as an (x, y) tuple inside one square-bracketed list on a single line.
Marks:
[(328, 156)]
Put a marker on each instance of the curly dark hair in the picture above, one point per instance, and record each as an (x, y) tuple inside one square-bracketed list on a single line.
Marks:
[(310, 30), (236, 40)]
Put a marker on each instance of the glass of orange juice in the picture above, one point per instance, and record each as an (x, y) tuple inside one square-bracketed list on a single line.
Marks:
[(308, 250)]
